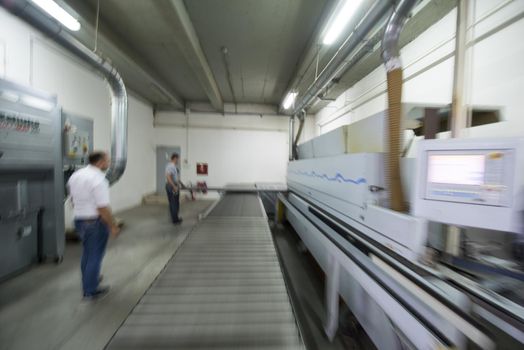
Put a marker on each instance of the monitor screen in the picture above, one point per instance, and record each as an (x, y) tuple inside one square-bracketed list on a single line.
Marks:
[(457, 169), (471, 183)]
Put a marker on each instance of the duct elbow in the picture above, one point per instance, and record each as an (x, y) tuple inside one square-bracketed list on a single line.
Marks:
[(119, 121), (389, 46), (116, 170)]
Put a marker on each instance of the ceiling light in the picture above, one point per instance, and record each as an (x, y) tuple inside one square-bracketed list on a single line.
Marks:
[(289, 100), (58, 13), (337, 24)]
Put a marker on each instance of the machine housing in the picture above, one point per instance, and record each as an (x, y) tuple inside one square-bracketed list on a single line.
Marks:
[(31, 178)]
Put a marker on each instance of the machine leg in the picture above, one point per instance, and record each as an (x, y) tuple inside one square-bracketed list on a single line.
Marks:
[(332, 299)]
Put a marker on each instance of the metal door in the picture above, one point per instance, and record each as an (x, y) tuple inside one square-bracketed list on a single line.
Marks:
[(163, 156)]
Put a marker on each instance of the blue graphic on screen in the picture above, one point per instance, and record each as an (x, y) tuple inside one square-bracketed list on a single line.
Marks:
[(337, 178)]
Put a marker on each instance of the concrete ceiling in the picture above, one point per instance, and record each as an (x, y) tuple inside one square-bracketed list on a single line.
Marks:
[(264, 41), (176, 53)]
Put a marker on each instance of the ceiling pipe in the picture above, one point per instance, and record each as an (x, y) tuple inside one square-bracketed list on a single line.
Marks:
[(360, 53), (391, 60), (368, 56), (32, 15), (227, 66), (302, 121), (291, 136), (373, 16)]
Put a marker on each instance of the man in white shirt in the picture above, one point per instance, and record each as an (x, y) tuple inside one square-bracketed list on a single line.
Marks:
[(173, 188), (89, 191)]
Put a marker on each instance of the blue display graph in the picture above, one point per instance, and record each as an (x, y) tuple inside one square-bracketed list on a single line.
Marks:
[(337, 178)]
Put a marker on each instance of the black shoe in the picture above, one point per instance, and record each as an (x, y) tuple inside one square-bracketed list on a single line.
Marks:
[(100, 293), (178, 222)]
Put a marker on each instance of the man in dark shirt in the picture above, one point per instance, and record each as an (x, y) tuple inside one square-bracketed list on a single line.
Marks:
[(173, 188)]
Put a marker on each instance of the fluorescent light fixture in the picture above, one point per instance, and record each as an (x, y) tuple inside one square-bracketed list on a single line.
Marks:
[(289, 100), (340, 20), (58, 13)]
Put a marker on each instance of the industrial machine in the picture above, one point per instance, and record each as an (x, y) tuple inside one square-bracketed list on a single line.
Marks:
[(40, 147), (404, 291), (31, 178)]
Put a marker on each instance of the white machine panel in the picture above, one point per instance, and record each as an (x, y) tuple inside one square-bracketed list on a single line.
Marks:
[(363, 136), (345, 178), (330, 144), (353, 188), (471, 182)]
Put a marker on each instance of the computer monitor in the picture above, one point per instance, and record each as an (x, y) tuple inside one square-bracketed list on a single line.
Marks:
[(471, 182)]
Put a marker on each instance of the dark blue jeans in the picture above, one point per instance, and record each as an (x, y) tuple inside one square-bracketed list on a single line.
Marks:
[(174, 203), (94, 235)]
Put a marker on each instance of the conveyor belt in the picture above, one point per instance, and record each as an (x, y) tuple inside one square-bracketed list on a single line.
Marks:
[(222, 290), (236, 204)]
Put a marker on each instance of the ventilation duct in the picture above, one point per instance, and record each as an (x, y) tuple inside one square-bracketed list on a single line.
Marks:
[(291, 137), (32, 15), (391, 59), (302, 120)]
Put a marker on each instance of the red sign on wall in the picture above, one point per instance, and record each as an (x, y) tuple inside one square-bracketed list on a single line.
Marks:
[(201, 168)]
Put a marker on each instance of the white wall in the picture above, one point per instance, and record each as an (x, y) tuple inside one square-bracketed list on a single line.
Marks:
[(28, 58), (237, 148), (496, 78)]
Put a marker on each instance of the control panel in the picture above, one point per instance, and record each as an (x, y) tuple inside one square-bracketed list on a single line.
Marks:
[(77, 143), (471, 182), (482, 177), (27, 135), (78, 139)]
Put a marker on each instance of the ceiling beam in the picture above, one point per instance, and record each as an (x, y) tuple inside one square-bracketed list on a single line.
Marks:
[(185, 37), (135, 71)]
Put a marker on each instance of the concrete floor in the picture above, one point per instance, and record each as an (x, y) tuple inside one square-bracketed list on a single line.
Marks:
[(43, 309)]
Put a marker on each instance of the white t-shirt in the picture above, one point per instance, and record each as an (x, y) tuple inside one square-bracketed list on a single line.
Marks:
[(172, 171), (89, 191)]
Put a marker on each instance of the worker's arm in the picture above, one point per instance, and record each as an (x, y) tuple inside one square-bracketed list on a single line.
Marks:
[(101, 194), (107, 218)]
